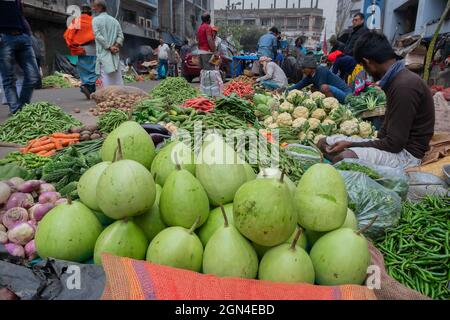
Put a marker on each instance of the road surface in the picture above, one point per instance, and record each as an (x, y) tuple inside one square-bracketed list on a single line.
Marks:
[(68, 99)]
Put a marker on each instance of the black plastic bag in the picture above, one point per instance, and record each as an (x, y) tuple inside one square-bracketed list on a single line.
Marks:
[(63, 65), (51, 279)]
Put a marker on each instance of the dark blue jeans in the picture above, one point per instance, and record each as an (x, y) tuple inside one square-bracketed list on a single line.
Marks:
[(18, 49), (163, 68)]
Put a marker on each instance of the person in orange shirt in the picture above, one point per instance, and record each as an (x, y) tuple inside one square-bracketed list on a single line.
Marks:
[(80, 39)]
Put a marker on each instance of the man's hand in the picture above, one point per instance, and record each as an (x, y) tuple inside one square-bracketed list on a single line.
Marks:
[(114, 49), (338, 147)]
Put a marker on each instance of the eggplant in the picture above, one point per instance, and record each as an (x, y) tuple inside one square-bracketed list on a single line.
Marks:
[(158, 138), (155, 128)]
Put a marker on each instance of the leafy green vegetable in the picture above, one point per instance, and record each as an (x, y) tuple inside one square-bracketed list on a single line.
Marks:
[(11, 170), (237, 107)]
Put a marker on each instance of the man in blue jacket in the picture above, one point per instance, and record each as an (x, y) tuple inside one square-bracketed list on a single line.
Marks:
[(268, 44), (323, 80)]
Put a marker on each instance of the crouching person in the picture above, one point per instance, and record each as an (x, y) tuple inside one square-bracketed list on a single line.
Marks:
[(274, 77), (323, 80), (409, 121)]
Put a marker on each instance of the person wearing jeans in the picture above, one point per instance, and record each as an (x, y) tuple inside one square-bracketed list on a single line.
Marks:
[(163, 59), (16, 48), (323, 80), (274, 78)]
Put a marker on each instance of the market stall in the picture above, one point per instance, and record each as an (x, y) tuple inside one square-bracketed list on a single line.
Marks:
[(151, 187)]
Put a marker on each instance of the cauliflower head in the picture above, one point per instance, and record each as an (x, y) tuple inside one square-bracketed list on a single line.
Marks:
[(275, 115), (365, 129), (268, 121), (317, 96), (319, 114), (310, 104), (273, 104), (299, 122), (301, 112), (273, 126), (295, 93), (306, 136), (349, 128), (318, 138), (287, 107), (328, 122), (284, 120), (330, 103), (313, 123)]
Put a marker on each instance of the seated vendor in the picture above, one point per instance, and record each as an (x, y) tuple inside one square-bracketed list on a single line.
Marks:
[(274, 78), (408, 127), (323, 80)]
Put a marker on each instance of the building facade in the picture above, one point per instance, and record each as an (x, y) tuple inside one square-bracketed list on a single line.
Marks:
[(180, 19), (293, 22), (48, 20)]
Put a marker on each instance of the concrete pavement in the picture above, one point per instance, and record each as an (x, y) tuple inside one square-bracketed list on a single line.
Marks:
[(68, 99)]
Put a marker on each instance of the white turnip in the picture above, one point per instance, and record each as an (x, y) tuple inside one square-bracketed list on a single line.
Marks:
[(15, 183), (19, 199), (30, 186), (14, 215), (49, 197), (21, 233), (3, 237), (15, 250), (46, 187), (30, 250), (61, 201), (2, 227), (38, 211), (5, 192)]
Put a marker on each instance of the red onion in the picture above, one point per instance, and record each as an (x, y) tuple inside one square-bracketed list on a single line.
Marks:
[(46, 187), (30, 250), (18, 199), (21, 233), (13, 216), (30, 186), (49, 197), (38, 211), (15, 250)]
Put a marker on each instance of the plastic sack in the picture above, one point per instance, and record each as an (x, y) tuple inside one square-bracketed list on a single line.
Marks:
[(307, 159), (391, 178), (368, 199), (108, 92), (211, 83)]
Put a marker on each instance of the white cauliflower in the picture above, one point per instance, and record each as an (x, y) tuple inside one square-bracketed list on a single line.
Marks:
[(328, 122), (318, 138), (300, 112), (349, 127), (330, 103), (275, 115), (317, 96), (365, 129), (273, 104), (287, 107), (284, 120), (313, 123), (310, 104), (268, 121), (299, 122), (295, 93), (319, 114), (273, 126), (306, 136)]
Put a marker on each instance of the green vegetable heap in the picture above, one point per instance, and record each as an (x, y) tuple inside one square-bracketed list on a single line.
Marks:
[(417, 251), (174, 91), (111, 120), (55, 81), (36, 120), (346, 166)]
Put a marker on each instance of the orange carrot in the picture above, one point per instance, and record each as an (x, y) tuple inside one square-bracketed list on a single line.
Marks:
[(40, 143), (57, 143), (68, 142), (48, 154), (46, 147), (66, 135)]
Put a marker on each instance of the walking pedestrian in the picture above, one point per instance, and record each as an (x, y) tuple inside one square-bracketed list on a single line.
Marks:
[(108, 40), (16, 48), (174, 59), (80, 39), (163, 59)]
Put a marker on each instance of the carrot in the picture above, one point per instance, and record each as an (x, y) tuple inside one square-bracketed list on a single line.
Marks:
[(49, 153), (46, 147), (66, 135), (58, 144), (40, 143), (68, 142)]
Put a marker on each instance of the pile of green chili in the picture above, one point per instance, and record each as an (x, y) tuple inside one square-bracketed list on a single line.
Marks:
[(417, 251), (36, 120)]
